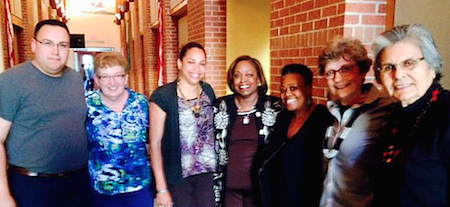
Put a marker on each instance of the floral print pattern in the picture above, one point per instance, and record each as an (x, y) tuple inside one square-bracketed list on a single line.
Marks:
[(118, 159), (267, 114), (197, 138)]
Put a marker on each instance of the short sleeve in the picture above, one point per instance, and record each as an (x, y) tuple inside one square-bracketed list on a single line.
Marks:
[(160, 98), (10, 97)]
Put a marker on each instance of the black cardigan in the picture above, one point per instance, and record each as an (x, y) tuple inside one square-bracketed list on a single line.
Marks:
[(166, 98)]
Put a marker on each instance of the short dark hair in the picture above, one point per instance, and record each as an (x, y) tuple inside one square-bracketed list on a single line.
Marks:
[(300, 69), (189, 46), (262, 89), (52, 22)]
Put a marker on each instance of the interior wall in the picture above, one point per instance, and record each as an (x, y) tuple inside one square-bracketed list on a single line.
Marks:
[(248, 32), (434, 16), (97, 24), (182, 32), (99, 30), (2, 64)]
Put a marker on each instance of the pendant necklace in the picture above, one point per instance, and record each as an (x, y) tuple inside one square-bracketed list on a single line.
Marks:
[(196, 108), (246, 119)]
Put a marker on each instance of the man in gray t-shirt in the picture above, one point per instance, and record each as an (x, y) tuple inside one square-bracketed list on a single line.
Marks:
[(43, 150)]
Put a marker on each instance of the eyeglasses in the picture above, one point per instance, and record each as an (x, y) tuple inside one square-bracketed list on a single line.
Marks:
[(345, 70), (407, 64), (118, 78), (49, 44)]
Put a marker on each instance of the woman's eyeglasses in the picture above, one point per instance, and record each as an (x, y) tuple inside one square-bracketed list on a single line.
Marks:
[(345, 70), (105, 78), (407, 64)]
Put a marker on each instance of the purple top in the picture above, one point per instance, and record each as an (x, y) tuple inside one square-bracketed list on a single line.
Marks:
[(197, 137)]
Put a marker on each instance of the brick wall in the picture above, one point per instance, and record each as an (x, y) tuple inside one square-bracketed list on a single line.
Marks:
[(300, 29), (137, 43), (207, 26), (170, 34), (150, 52), (365, 20), (3, 34), (131, 74), (26, 34)]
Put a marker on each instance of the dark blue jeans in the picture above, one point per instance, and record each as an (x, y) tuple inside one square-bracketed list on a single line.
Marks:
[(141, 198), (71, 191)]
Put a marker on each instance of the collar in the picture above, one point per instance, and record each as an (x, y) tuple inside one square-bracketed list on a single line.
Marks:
[(96, 97), (371, 93)]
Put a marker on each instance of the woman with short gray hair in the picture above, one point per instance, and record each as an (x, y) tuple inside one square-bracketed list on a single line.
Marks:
[(416, 162)]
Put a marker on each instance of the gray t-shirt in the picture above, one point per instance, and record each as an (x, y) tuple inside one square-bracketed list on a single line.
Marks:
[(48, 134)]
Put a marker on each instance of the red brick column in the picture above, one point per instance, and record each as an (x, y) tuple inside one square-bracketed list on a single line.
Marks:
[(138, 58), (364, 21), (26, 34), (132, 73), (150, 52), (170, 35), (3, 35), (207, 26), (300, 29)]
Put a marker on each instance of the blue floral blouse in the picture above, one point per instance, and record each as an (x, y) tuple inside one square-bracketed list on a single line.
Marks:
[(118, 159)]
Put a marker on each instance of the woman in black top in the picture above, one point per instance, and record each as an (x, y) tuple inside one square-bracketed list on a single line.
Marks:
[(291, 174), (182, 134), (243, 122), (416, 163)]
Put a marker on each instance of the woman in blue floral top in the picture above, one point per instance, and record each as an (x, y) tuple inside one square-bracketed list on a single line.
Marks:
[(117, 127)]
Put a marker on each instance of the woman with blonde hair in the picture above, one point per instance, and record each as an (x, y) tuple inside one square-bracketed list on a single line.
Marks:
[(117, 128)]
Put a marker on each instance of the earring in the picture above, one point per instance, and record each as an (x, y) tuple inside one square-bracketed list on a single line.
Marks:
[(259, 84)]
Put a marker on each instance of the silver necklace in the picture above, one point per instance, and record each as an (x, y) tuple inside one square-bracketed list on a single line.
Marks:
[(246, 114)]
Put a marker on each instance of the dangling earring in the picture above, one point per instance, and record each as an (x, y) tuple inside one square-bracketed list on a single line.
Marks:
[(259, 84)]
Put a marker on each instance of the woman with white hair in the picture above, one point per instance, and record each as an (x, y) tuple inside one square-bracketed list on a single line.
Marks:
[(417, 158)]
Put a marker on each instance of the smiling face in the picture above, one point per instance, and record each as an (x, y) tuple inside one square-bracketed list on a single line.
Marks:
[(406, 85), (192, 66), (295, 94), (112, 81), (50, 60), (245, 79), (347, 89)]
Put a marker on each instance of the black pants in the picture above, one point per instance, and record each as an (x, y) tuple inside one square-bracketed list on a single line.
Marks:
[(71, 191), (194, 191)]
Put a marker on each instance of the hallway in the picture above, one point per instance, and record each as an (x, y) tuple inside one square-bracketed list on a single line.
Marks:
[(277, 32)]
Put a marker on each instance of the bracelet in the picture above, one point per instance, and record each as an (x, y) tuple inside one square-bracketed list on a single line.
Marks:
[(162, 191)]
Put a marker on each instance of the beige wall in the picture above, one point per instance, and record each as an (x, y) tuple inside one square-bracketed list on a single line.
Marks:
[(182, 32), (248, 32), (99, 29), (434, 16)]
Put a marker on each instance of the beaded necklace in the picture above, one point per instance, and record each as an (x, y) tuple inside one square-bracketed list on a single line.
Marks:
[(393, 150), (246, 119), (194, 108)]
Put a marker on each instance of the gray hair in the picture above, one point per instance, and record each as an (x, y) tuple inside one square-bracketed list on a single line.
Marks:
[(418, 35)]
